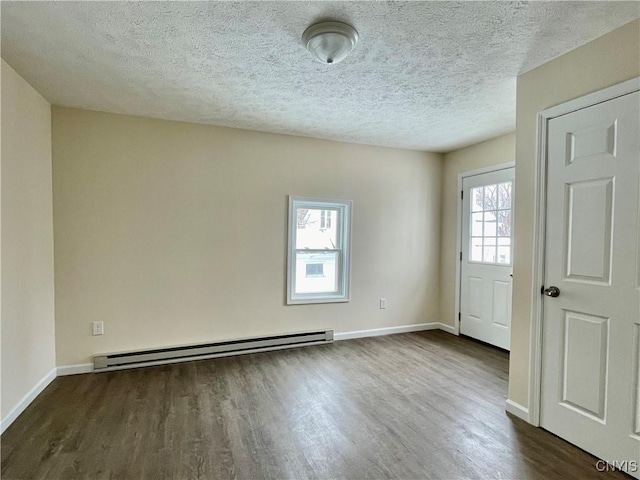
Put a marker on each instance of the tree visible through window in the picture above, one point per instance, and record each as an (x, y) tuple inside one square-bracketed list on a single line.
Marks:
[(491, 223)]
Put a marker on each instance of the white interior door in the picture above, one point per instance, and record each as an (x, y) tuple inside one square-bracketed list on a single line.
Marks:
[(590, 362), (487, 241)]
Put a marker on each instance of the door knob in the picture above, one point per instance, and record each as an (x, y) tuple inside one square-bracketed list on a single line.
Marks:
[(552, 292)]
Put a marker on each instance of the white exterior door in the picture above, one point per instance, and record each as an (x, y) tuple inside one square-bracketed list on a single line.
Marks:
[(487, 236), (591, 327)]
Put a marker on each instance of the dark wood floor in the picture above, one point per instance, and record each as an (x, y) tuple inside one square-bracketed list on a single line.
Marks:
[(418, 405)]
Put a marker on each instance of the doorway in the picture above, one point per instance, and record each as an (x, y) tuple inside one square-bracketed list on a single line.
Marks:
[(588, 330)]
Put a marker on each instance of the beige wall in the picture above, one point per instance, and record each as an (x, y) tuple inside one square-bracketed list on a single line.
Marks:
[(174, 233), (28, 344), (606, 61), (492, 152)]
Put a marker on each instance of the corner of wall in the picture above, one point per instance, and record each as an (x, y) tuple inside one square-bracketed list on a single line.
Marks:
[(27, 297), (494, 151)]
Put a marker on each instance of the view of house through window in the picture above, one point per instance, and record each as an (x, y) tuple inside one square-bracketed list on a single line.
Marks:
[(316, 252), (491, 224), (318, 256)]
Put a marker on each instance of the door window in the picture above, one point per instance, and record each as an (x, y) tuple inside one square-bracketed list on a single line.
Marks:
[(490, 226)]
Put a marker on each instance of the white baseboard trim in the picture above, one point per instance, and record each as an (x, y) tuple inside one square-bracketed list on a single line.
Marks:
[(27, 399), (64, 370), (447, 328), (375, 332), (517, 410), (75, 369)]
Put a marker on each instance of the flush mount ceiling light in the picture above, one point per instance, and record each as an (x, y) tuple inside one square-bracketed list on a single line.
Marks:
[(330, 42)]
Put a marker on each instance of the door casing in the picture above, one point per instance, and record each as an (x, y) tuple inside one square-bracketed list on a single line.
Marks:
[(537, 311)]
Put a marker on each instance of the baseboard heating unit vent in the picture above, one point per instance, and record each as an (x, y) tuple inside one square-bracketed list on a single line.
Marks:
[(160, 356)]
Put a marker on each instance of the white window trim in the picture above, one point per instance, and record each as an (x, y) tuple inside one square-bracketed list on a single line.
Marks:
[(344, 260)]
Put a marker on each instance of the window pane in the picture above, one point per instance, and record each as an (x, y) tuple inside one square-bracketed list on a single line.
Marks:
[(490, 197), (477, 201), (476, 224), (504, 250), (309, 282), (504, 195), (489, 250), (490, 224), (504, 223), (316, 229), (476, 250)]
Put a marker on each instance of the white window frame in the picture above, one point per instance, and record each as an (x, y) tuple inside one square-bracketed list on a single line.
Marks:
[(344, 252)]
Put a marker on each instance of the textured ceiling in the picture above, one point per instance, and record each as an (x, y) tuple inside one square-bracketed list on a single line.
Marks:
[(426, 75)]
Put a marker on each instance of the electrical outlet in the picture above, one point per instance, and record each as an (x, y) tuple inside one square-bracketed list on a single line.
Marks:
[(383, 303), (98, 328)]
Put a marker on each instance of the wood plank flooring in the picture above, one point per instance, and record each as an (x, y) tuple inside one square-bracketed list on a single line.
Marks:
[(417, 405)]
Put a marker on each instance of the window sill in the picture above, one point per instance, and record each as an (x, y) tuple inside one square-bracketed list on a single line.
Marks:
[(310, 301)]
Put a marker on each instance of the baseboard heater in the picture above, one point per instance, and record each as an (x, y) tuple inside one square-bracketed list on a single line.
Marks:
[(160, 356)]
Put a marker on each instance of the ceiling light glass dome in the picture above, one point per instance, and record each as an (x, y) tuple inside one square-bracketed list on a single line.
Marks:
[(330, 42)]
